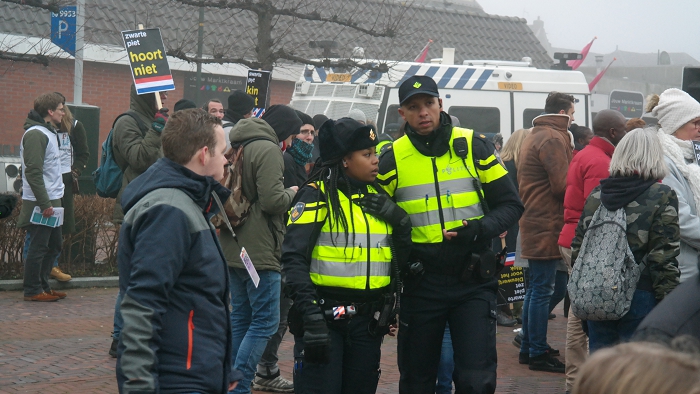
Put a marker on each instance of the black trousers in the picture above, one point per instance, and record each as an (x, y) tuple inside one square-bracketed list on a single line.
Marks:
[(353, 366), (470, 308), (45, 246)]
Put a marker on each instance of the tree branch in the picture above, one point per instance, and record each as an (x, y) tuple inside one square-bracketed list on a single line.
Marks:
[(177, 53), (257, 8), (52, 5), (20, 57)]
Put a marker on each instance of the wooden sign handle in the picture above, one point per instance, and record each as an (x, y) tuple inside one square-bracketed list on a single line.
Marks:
[(503, 242)]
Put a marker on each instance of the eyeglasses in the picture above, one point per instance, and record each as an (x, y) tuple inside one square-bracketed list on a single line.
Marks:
[(306, 132)]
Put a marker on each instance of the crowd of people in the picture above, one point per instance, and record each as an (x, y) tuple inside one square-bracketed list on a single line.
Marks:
[(342, 235)]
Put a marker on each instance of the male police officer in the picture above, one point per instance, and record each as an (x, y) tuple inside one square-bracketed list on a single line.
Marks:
[(458, 197)]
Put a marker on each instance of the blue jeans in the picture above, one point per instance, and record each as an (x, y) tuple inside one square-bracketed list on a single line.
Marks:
[(118, 320), (541, 275), (447, 364), (560, 281), (611, 332), (255, 316)]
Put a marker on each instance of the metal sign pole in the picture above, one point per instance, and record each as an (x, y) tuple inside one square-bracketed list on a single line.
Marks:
[(79, 44)]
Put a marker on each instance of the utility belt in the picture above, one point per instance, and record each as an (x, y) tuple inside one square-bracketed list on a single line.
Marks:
[(482, 267), (338, 313)]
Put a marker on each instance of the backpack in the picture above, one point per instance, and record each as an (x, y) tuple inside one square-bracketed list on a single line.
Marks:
[(237, 206), (108, 176), (605, 273)]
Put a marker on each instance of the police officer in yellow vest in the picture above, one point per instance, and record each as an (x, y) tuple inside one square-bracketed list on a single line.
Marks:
[(458, 198), (345, 241)]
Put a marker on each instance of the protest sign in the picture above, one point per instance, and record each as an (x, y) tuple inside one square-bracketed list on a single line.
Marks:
[(257, 86), (149, 64), (511, 281)]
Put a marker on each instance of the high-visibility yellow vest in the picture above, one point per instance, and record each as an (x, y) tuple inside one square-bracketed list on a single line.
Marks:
[(365, 262), (439, 192)]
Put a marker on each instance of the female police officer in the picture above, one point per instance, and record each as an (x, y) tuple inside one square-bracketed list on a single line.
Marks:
[(339, 265)]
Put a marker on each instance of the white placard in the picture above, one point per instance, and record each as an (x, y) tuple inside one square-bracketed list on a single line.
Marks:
[(250, 268)]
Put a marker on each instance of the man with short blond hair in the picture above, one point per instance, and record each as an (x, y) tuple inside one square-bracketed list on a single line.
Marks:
[(175, 282)]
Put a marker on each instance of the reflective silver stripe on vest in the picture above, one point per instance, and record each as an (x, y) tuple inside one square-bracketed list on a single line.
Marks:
[(450, 214), (326, 239), (350, 270), (417, 192)]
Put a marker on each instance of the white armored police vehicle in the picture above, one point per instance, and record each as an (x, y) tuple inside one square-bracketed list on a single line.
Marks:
[(486, 96)]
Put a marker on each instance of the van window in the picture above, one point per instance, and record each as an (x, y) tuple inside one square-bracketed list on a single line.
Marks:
[(529, 114), (480, 119), (392, 115)]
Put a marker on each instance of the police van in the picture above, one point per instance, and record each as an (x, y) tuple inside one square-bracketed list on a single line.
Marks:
[(486, 96)]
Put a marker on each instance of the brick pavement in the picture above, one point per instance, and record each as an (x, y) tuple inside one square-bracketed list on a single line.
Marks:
[(62, 347)]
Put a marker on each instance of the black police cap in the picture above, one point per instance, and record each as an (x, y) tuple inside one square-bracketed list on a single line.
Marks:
[(417, 84)]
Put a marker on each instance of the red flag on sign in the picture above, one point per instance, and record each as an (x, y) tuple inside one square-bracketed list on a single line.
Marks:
[(574, 64), (597, 78), (424, 53)]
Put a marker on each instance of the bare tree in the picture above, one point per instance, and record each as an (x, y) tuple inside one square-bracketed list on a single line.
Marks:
[(276, 20)]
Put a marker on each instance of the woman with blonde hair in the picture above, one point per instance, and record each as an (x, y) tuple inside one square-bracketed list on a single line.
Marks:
[(679, 124), (640, 368), (653, 235)]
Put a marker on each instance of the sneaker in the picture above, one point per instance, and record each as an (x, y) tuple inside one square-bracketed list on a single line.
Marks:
[(546, 362), (518, 340), (524, 358), (551, 351), (552, 316), (504, 320), (277, 384), (57, 274), (113, 348), (42, 297), (59, 294)]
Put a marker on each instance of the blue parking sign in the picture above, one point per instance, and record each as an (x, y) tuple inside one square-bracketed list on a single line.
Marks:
[(63, 27)]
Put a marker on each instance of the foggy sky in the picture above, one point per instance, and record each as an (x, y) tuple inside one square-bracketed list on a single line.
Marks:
[(643, 26)]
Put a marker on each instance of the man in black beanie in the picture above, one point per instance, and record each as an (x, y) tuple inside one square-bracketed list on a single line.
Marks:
[(284, 120), (240, 106), (255, 306)]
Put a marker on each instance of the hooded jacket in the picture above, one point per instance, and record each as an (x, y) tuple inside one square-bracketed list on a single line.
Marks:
[(587, 168), (263, 169), (133, 151), (173, 275), (542, 167), (652, 227), (34, 144)]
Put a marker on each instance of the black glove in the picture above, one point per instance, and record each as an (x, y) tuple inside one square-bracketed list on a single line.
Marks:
[(317, 339), (160, 119), (469, 233), (381, 206)]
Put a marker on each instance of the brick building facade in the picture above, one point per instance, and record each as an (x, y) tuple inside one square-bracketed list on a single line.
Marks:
[(104, 85)]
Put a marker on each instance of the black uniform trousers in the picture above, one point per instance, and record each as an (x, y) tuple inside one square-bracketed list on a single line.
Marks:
[(427, 304), (354, 361)]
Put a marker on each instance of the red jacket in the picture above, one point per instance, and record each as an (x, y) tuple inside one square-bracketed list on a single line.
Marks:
[(586, 170)]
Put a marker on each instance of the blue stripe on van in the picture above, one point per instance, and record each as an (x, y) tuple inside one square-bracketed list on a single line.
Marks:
[(465, 78), (482, 79), (321, 73), (374, 76), (411, 72), (432, 71), (357, 75), (446, 78)]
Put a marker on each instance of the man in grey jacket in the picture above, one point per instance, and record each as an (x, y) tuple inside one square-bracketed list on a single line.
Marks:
[(255, 308)]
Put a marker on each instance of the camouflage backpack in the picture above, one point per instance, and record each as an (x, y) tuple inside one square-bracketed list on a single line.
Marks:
[(237, 206), (605, 273)]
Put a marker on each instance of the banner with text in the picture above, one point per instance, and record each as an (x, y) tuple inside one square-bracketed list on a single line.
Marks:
[(149, 65), (212, 86), (511, 281), (257, 86)]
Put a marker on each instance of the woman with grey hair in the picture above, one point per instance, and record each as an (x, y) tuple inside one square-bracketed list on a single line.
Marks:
[(679, 124), (652, 229)]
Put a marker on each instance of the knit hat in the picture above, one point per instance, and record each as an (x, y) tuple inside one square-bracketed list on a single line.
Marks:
[(319, 120), (337, 139), (240, 103), (184, 104), (675, 109), (357, 115), (305, 119), (283, 120)]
